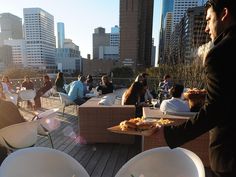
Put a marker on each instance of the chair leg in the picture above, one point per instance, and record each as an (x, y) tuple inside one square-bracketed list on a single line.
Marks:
[(63, 110), (50, 139)]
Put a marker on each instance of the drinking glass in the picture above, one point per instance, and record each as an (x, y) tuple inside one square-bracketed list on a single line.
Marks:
[(154, 102)]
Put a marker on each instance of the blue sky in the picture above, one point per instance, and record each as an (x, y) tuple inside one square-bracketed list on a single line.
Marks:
[(80, 17)]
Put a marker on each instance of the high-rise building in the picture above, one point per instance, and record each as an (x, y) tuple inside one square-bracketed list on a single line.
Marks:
[(18, 51), (10, 27), (165, 29), (180, 7), (136, 19), (115, 36), (40, 39), (100, 38), (60, 35), (167, 6)]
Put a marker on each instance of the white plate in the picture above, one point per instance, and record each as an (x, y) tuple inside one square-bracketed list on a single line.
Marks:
[(181, 113)]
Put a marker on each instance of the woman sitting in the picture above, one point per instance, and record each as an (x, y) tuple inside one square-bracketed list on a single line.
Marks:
[(175, 103), (132, 97)]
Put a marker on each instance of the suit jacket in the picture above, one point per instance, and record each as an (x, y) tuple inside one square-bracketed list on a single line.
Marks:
[(216, 114)]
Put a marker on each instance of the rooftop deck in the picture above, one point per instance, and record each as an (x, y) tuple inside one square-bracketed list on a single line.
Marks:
[(100, 160)]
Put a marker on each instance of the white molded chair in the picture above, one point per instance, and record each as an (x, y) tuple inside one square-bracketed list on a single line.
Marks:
[(65, 100), (27, 95), (163, 162), (47, 123), (41, 162), (20, 135)]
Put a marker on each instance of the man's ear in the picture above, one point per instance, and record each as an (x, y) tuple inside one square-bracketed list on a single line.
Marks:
[(224, 14)]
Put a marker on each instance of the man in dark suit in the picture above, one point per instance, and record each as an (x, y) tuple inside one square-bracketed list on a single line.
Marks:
[(216, 114)]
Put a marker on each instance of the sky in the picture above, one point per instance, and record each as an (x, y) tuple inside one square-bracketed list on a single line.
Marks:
[(80, 17)]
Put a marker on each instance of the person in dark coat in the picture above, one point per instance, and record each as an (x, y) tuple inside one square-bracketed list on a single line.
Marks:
[(105, 86), (60, 82), (216, 114), (47, 85)]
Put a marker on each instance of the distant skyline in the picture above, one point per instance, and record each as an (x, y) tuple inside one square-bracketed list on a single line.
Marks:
[(80, 17)]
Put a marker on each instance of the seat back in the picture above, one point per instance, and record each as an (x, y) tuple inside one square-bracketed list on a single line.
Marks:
[(19, 135), (41, 162), (47, 93), (27, 95), (164, 162), (48, 121), (65, 100)]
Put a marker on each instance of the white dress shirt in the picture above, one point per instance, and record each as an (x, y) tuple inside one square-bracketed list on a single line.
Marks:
[(174, 105)]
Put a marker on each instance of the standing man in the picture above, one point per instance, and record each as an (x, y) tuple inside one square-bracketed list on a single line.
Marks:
[(216, 114)]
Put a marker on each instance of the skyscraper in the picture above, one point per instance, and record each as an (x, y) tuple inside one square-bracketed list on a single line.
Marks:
[(40, 39), (167, 6), (100, 38), (180, 7), (10, 27), (60, 35), (136, 32)]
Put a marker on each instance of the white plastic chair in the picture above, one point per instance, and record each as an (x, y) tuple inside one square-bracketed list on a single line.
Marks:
[(41, 162), (19, 135), (46, 97), (12, 97), (65, 100), (27, 95), (163, 162), (47, 123)]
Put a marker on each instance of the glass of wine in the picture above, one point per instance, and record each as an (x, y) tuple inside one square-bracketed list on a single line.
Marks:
[(154, 102)]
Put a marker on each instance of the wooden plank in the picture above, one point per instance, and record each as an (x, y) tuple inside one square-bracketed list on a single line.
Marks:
[(122, 158), (100, 160), (97, 165), (108, 171)]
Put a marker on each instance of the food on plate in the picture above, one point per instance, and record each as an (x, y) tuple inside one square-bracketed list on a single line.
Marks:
[(162, 121), (145, 125), (196, 98), (138, 124), (192, 93)]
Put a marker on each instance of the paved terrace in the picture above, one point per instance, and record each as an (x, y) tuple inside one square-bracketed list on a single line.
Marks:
[(100, 160)]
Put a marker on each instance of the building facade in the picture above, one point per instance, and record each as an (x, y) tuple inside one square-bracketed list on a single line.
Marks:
[(60, 35), (136, 19), (10, 27), (100, 38), (40, 39)]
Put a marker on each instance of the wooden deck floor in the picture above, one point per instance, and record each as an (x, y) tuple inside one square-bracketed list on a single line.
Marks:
[(100, 160)]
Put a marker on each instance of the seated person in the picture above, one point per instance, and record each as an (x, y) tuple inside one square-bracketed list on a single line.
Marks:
[(2, 94), (28, 85), (6, 80), (89, 82), (132, 96), (60, 82), (47, 85), (164, 86), (76, 90), (175, 104), (105, 86)]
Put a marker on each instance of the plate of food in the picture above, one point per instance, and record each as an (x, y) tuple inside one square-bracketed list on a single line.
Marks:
[(137, 126)]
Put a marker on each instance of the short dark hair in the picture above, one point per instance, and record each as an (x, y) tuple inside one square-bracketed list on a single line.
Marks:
[(219, 5), (167, 76), (177, 90)]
